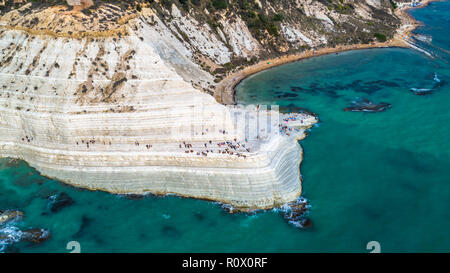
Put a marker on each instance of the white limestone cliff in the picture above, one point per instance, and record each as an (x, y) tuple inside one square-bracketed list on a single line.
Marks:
[(121, 114)]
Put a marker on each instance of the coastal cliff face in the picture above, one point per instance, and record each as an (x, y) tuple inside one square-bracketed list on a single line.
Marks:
[(109, 107), (205, 40), (115, 96)]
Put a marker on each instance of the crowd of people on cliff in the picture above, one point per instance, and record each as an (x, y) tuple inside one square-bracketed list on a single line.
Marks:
[(230, 147), (234, 147)]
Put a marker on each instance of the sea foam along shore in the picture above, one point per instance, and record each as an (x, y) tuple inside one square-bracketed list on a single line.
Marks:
[(225, 90)]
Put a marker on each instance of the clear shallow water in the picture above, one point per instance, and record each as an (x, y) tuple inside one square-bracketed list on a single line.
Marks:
[(369, 176), (373, 176)]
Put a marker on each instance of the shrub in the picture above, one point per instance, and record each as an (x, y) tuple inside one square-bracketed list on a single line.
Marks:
[(277, 17), (380, 37), (219, 4)]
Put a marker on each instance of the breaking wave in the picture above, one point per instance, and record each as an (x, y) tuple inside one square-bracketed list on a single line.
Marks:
[(9, 235)]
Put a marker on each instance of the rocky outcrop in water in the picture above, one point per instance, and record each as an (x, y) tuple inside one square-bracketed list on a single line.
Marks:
[(295, 213), (35, 235), (421, 91), (366, 105), (10, 234), (438, 83), (59, 201), (10, 215)]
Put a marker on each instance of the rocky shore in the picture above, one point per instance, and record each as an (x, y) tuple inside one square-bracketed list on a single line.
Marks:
[(10, 234)]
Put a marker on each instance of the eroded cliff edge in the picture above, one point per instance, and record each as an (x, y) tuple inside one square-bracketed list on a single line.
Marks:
[(117, 97)]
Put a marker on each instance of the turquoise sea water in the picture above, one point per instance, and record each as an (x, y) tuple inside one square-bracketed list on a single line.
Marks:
[(368, 176)]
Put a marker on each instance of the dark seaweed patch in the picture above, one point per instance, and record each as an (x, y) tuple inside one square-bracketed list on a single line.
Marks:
[(297, 89), (291, 108), (384, 83), (359, 86), (330, 90), (287, 95), (199, 216), (170, 231), (85, 222)]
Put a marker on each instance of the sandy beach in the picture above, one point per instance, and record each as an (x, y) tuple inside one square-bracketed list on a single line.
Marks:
[(225, 90)]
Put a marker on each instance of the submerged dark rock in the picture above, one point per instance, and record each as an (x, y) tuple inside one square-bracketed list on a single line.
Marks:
[(133, 196), (307, 223), (383, 83), (421, 91), (331, 89), (59, 201), (199, 216), (438, 83), (368, 87), (24, 180), (85, 222), (313, 89), (288, 95), (170, 231), (368, 106), (36, 235)]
